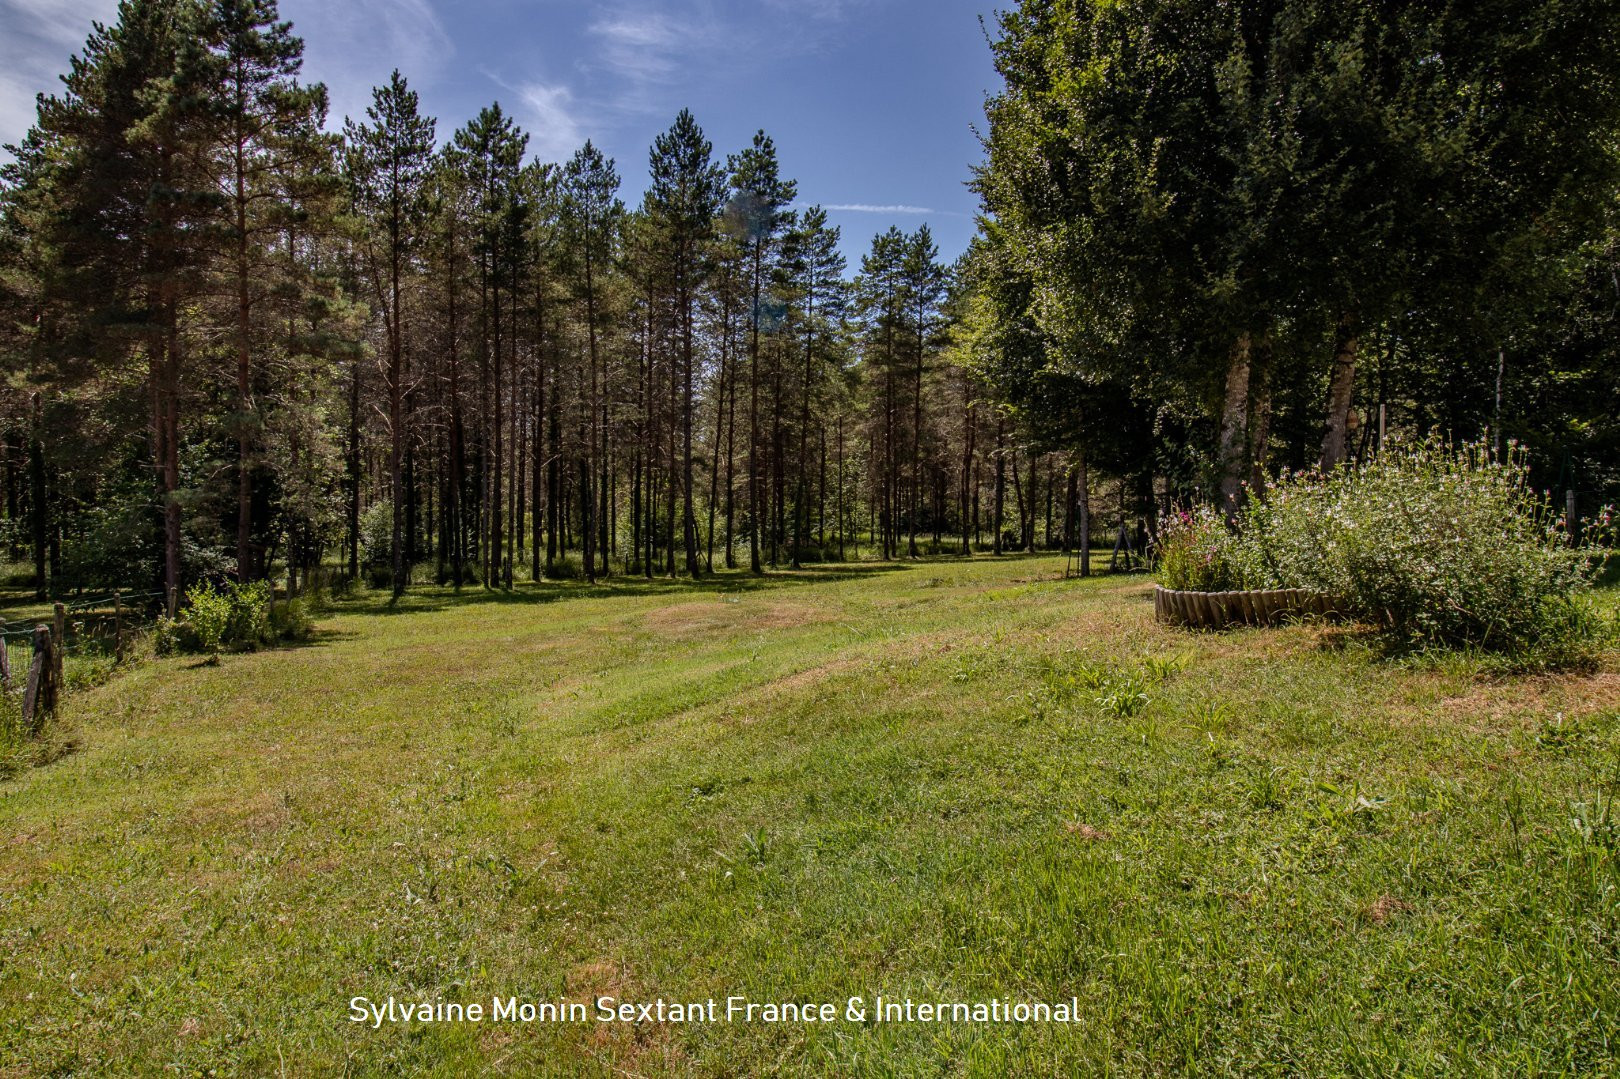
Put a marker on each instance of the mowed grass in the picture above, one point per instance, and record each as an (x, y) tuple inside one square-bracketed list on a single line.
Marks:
[(1257, 851)]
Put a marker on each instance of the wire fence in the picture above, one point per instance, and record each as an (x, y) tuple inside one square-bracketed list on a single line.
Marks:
[(15, 656), (91, 626)]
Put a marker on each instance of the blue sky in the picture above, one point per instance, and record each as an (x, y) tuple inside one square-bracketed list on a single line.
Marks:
[(872, 103)]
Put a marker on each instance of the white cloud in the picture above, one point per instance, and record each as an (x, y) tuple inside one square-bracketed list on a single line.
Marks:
[(874, 208), (819, 9), (351, 46), (646, 46), (39, 36), (548, 115), (354, 44)]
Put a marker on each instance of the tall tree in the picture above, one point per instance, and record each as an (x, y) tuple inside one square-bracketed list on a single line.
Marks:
[(592, 215), (390, 158), (682, 201), (267, 145), (759, 207)]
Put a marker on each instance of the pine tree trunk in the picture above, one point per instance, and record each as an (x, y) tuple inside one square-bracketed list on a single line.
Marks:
[(754, 564), (1083, 482), (1001, 488), (244, 379), (694, 569)]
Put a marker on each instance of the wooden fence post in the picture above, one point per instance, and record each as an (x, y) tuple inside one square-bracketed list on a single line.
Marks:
[(1570, 521), (5, 664), (58, 639), (118, 625), (39, 699)]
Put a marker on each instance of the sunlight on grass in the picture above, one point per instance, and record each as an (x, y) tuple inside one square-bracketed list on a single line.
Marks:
[(1258, 849)]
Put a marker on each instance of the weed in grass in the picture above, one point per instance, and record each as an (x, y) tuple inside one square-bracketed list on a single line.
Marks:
[(1558, 735), (1265, 790), (757, 847)]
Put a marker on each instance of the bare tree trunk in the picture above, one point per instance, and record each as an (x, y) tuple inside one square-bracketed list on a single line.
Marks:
[(244, 376), (1001, 487), (754, 565), (1083, 481), (351, 478), (171, 463), (969, 432), (694, 569)]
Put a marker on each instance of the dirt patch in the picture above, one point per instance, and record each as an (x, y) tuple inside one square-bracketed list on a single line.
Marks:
[(1085, 832), (265, 814), (811, 676), (603, 978), (1496, 702), (724, 615), (1386, 907)]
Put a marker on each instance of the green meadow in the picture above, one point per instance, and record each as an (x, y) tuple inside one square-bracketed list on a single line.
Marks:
[(1259, 851)]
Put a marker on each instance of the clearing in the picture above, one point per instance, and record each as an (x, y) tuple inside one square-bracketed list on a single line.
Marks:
[(1257, 850)]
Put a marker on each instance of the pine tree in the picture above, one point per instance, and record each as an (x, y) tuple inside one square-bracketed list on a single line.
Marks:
[(682, 201), (389, 165)]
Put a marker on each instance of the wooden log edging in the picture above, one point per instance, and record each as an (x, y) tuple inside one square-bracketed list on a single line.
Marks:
[(1256, 607)]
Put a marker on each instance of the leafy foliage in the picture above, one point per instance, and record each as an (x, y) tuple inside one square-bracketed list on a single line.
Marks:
[(234, 616), (1437, 545), (1195, 551)]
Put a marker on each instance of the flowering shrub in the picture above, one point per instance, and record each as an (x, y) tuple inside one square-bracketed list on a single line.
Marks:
[(1194, 551), (1437, 545)]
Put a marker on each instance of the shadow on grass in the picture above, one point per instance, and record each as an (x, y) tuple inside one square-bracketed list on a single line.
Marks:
[(423, 598)]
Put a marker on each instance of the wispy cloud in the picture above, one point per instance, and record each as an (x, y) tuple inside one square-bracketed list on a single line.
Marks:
[(874, 208), (38, 38), (355, 44), (646, 46), (552, 119), (819, 9)]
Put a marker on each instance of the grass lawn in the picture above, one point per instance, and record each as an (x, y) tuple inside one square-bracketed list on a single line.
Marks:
[(1257, 851)]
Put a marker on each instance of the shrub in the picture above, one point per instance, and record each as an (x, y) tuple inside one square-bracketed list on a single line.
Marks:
[(172, 636), (237, 615), (291, 621), (209, 613), (377, 533), (1194, 552), (1439, 546), (566, 567)]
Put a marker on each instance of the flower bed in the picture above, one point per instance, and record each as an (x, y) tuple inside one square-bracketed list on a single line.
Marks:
[(1252, 607)]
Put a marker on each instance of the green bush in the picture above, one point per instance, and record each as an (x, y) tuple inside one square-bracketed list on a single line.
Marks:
[(1437, 545), (377, 533), (235, 616), (1194, 552), (209, 614), (172, 636), (566, 567), (290, 621)]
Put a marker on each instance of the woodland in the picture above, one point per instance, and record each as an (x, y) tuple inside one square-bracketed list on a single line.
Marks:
[(246, 340), (434, 577)]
